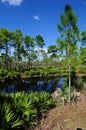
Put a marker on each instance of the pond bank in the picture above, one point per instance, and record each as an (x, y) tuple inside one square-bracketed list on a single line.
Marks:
[(69, 117), (51, 75)]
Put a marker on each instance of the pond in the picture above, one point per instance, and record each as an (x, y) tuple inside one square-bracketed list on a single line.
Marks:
[(33, 84)]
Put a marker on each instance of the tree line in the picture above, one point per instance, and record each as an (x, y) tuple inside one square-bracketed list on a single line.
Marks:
[(28, 52), (23, 47), (17, 49)]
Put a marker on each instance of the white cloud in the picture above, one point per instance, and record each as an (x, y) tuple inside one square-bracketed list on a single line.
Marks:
[(41, 49), (45, 49), (13, 2), (36, 17)]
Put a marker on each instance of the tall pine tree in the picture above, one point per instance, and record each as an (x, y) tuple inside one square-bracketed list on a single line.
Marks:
[(68, 39)]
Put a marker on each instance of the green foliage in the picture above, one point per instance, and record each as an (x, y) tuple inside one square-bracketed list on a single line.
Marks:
[(8, 119), (79, 84), (52, 49), (45, 101), (81, 69), (40, 41), (42, 101), (83, 48), (47, 71), (24, 107), (84, 69), (20, 110), (69, 33), (5, 74), (67, 43)]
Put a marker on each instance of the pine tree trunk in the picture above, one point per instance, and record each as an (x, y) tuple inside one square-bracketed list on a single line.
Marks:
[(6, 57), (29, 59), (69, 67), (69, 70)]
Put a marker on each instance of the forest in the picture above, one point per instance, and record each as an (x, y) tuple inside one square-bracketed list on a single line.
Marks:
[(23, 56)]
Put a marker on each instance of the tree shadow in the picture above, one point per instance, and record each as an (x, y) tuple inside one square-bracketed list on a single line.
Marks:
[(73, 78), (84, 78), (79, 129)]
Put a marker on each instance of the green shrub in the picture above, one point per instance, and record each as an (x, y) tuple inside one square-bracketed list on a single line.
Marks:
[(18, 110), (8, 119), (4, 75)]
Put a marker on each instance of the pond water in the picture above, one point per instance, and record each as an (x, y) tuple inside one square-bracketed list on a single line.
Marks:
[(33, 84)]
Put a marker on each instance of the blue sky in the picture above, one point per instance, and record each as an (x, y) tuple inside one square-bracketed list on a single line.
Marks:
[(35, 17)]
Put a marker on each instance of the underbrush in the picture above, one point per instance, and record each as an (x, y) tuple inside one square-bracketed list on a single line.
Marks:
[(22, 110), (45, 71), (7, 75)]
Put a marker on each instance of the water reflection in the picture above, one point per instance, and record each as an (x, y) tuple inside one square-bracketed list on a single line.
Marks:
[(60, 83), (9, 89), (34, 84)]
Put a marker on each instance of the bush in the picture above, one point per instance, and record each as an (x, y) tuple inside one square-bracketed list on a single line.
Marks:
[(8, 118), (5, 75), (45, 71), (18, 110)]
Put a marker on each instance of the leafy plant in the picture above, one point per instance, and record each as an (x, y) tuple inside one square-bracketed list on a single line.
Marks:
[(8, 119), (22, 109), (5, 74)]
